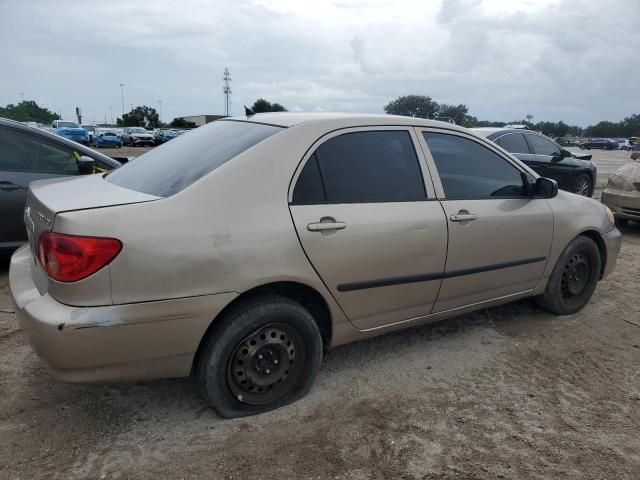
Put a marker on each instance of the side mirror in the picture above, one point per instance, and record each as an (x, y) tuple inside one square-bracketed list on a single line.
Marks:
[(566, 153), (545, 188), (85, 165)]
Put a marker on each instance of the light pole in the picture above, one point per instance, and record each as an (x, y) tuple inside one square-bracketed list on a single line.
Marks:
[(122, 98), (111, 115), (159, 111)]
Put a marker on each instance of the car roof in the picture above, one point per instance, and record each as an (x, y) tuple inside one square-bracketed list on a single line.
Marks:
[(290, 119), (494, 131), (5, 122)]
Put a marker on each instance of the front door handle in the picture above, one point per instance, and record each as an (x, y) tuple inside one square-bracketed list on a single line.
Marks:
[(325, 224), (463, 217), (8, 186)]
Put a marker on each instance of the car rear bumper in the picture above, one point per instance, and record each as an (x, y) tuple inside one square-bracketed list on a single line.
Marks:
[(623, 205), (613, 242), (114, 342)]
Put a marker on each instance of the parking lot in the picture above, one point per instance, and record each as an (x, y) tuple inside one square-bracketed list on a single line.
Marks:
[(508, 392)]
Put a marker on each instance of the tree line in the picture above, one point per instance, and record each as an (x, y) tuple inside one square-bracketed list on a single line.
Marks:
[(425, 107), (420, 106)]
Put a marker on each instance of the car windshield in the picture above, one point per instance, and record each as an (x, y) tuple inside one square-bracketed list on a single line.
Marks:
[(138, 130), (171, 168), (68, 125)]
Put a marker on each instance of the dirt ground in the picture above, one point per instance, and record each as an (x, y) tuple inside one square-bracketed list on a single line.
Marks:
[(510, 392)]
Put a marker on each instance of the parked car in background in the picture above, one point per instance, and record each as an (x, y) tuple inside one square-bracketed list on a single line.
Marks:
[(106, 138), (624, 144), (28, 154), (71, 131), (163, 136), (622, 194), (244, 249), (137, 136), (601, 143), (574, 172)]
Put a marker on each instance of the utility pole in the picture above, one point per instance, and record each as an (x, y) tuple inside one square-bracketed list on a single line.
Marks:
[(122, 98), (159, 111), (226, 89)]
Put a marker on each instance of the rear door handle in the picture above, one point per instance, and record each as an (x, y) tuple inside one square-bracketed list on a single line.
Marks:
[(463, 217), (324, 226), (4, 185)]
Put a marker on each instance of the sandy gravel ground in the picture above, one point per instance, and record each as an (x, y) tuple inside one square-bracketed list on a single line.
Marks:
[(510, 392)]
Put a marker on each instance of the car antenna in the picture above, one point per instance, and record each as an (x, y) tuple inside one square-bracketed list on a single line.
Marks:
[(248, 112)]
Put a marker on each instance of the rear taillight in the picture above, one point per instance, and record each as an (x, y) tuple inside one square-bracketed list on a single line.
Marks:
[(69, 258)]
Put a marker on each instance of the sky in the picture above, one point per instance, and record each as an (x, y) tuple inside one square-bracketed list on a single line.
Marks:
[(571, 60)]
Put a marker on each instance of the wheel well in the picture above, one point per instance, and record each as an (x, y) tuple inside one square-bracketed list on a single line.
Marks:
[(298, 292), (595, 236)]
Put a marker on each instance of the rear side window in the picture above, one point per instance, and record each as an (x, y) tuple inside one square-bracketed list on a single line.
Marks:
[(469, 170), (514, 143), (362, 167), (175, 165), (22, 152), (18, 151), (542, 146)]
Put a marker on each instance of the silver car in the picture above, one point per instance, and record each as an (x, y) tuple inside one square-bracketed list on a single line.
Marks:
[(242, 250)]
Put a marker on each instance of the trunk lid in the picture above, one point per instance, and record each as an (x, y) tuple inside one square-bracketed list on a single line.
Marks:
[(47, 198)]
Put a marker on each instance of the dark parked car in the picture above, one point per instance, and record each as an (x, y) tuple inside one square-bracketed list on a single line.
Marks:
[(574, 172), (28, 154), (603, 143), (163, 136)]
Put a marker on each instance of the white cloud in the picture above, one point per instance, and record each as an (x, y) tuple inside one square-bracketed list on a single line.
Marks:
[(556, 59)]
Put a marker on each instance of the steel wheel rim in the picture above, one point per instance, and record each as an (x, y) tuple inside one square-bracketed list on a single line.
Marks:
[(583, 187), (267, 364), (575, 276)]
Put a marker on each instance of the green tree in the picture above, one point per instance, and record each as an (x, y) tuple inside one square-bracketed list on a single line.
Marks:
[(141, 116), (412, 106), (181, 123), (261, 106), (459, 113), (28, 111)]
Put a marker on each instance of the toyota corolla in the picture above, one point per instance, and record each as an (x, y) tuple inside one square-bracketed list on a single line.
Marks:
[(241, 251)]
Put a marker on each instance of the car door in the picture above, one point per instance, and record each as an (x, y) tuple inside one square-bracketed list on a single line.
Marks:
[(557, 167), (499, 237), (23, 159), (516, 144), (370, 224)]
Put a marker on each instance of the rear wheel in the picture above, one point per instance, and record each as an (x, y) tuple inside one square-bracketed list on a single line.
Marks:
[(574, 278), (263, 354), (584, 185)]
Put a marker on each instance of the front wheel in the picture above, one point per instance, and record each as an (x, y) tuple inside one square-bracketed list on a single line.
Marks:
[(263, 354), (584, 185), (574, 278)]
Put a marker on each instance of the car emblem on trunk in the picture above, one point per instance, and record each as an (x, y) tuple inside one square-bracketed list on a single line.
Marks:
[(27, 220), (43, 219)]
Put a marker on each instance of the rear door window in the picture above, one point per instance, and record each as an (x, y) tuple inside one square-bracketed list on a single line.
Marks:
[(513, 143), (362, 167), (177, 164), (18, 151)]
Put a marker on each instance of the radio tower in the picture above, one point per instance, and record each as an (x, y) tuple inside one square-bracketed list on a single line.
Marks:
[(226, 89)]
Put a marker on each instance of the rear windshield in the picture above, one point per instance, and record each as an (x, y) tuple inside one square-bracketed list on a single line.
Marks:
[(174, 166)]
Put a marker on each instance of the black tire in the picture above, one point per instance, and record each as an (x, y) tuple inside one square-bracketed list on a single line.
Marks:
[(266, 332), (574, 278), (621, 222), (583, 185)]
